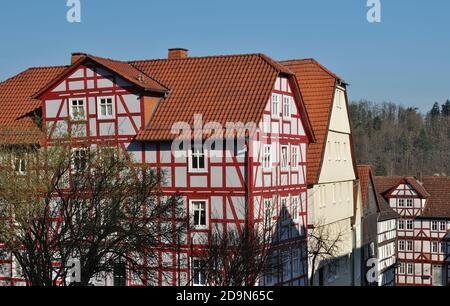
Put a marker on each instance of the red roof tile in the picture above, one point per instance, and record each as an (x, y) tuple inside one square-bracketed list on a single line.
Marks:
[(123, 69), (317, 86), (385, 211), (222, 89), (364, 173), (386, 183), (16, 102), (438, 204)]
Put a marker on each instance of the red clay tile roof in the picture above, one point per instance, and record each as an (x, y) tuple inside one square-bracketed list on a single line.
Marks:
[(317, 85), (364, 173), (16, 102), (417, 186), (385, 211), (384, 184), (438, 204), (222, 89), (123, 69)]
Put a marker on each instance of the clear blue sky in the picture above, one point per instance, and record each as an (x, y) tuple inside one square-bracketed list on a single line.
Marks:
[(405, 58)]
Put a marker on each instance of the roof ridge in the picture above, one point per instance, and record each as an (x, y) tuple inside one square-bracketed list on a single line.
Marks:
[(318, 64), (196, 57)]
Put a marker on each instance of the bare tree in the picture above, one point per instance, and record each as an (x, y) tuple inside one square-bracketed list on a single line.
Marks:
[(237, 258), (96, 208), (324, 242)]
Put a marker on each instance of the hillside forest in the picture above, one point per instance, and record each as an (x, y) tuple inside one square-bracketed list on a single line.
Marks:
[(398, 140)]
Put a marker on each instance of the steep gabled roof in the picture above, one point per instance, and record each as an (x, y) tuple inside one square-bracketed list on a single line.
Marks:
[(365, 175), (16, 104), (317, 86), (438, 204), (123, 69), (386, 184), (234, 88)]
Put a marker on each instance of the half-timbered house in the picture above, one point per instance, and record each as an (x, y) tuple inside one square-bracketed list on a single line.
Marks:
[(142, 107), (422, 228)]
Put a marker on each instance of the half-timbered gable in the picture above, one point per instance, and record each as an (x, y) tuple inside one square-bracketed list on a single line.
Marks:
[(331, 165)]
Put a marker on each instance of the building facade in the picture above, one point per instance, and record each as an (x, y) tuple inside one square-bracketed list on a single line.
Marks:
[(253, 173), (379, 234), (331, 166), (422, 228)]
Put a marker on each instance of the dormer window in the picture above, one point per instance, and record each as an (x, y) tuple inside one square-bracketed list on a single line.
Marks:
[(77, 109), (106, 108)]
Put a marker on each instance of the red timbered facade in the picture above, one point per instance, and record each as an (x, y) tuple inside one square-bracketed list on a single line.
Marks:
[(248, 174), (422, 228)]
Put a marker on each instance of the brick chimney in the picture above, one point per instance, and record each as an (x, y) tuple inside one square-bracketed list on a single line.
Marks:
[(76, 56), (177, 53)]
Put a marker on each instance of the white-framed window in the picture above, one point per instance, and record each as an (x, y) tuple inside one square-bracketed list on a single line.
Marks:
[(344, 151), (402, 268), (333, 191), (19, 164), (199, 213), (295, 151), (409, 245), (105, 107), (409, 224), (434, 247), (337, 150), (443, 247), (401, 224), (270, 274), (401, 202), (340, 98), (284, 158), (286, 259), (372, 249), (77, 109), (295, 206), (287, 106), (285, 209), (268, 212), (443, 226), (321, 195), (409, 202), (330, 151), (197, 160), (276, 105), (410, 268), (296, 261), (267, 161), (79, 159), (198, 272), (434, 225), (401, 245)]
